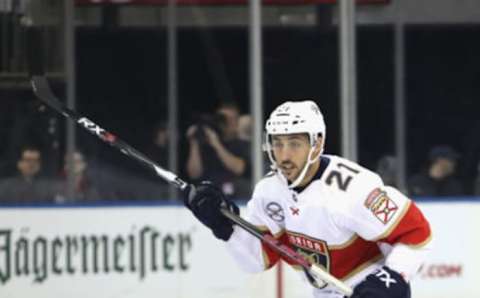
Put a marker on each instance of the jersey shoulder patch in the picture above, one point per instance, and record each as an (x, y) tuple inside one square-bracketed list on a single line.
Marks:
[(381, 205)]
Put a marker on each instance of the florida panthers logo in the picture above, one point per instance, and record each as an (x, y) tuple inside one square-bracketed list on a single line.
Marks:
[(314, 250)]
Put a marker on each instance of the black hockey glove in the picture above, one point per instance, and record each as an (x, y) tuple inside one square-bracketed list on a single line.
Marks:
[(205, 201), (384, 283)]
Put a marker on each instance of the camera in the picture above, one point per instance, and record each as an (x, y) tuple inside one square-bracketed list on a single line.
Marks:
[(213, 121)]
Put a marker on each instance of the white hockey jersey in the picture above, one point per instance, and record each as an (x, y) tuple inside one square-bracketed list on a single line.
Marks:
[(345, 220)]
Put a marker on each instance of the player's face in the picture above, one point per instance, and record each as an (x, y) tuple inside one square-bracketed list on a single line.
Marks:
[(291, 152)]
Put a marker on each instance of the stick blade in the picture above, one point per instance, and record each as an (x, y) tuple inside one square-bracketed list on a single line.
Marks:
[(42, 90)]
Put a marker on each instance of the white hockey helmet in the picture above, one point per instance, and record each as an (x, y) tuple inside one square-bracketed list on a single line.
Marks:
[(293, 117)]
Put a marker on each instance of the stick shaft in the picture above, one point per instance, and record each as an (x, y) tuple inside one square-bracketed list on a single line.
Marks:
[(42, 90)]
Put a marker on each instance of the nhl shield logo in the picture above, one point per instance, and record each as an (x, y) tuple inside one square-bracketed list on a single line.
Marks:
[(275, 211)]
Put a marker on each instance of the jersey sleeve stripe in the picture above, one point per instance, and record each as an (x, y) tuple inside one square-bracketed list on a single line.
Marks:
[(421, 244), (344, 245), (262, 229), (413, 229), (270, 257), (353, 258), (362, 266)]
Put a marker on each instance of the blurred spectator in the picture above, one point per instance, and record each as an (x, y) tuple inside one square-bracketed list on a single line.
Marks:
[(245, 131), (216, 153), (157, 150), (387, 169), (245, 127), (439, 178), (27, 186), (84, 189)]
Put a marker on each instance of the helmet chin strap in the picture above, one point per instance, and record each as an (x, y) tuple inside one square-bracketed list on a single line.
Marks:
[(305, 168)]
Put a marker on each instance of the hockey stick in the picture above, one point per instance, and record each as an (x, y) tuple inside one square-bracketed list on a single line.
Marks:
[(43, 91)]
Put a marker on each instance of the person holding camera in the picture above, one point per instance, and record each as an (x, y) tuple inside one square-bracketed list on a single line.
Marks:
[(217, 154)]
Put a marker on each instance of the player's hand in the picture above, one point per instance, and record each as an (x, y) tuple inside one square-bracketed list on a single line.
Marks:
[(384, 283), (205, 201)]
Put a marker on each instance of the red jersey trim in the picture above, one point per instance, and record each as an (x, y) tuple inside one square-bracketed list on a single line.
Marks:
[(353, 256), (362, 267), (353, 271), (395, 223), (342, 260), (271, 257)]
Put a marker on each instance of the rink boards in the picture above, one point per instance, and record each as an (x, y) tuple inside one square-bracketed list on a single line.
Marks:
[(161, 251)]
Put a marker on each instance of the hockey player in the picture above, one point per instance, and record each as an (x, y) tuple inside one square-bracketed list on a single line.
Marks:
[(333, 211)]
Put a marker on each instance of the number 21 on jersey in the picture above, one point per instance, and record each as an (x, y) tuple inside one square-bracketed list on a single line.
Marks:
[(341, 178)]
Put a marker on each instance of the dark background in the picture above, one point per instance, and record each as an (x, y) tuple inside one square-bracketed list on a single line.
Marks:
[(122, 83)]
